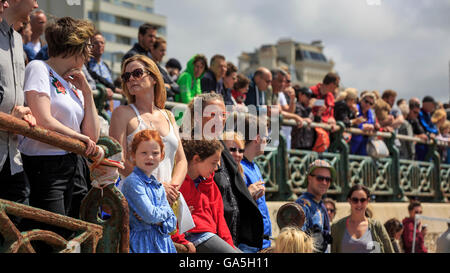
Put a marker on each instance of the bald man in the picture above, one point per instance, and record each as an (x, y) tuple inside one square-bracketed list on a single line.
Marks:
[(261, 81)]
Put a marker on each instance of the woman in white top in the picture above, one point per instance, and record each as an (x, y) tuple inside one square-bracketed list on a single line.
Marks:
[(144, 88), (60, 98)]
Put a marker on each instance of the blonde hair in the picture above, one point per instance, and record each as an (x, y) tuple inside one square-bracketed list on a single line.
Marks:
[(438, 115), (348, 94), (239, 140), (293, 240), (159, 90), (444, 126)]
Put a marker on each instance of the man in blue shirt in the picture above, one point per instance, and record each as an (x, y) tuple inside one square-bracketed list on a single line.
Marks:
[(254, 146), (317, 223), (428, 107)]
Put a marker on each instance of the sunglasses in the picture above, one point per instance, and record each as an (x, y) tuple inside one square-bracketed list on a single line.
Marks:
[(321, 178), (331, 210), (356, 200), (137, 74), (418, 212), (233, 149), (368, 102)]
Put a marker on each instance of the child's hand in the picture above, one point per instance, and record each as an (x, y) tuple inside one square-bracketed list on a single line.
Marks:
[(190, 247)]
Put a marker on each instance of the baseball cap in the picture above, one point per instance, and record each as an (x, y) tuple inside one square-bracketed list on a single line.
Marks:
[(321, 163)]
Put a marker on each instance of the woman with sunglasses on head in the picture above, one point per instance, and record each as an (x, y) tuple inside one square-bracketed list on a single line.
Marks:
[(357, 233), (358, 143), (60, 98), (208, 116), (415, 207), (143, 86)]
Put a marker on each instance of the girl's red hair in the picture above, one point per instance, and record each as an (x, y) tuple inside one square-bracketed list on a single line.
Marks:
[(147, 135)]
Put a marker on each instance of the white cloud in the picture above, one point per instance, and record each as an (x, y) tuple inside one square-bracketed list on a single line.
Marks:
[(401, 45)]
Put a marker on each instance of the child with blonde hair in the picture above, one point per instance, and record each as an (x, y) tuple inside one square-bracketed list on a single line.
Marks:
[(293, 240)]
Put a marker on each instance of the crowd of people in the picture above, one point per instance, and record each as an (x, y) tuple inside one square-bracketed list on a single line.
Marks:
[(49, 82)]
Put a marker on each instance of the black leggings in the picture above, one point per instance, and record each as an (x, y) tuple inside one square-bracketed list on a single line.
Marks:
[(57, 183)]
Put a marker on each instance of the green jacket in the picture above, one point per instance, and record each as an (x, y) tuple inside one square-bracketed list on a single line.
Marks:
[(189, 86), (379, 234)]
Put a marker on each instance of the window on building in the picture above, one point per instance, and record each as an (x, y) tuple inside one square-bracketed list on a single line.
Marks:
[(109, 37), (106, 17), (136, 23), (93, 16), (123, 40), (123, 21), (298, 55), (128, 4)]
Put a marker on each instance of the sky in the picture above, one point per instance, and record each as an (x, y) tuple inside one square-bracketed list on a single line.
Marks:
[(402, 45)]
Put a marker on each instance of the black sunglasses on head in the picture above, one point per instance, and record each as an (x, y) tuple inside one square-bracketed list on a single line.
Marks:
[(137, 74)]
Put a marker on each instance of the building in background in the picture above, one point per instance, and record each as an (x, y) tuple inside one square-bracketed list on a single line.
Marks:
[(306, 62), (118, 21)]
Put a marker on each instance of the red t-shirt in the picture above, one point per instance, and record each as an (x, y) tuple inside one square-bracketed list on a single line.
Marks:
[(206, 205), (329, 102)]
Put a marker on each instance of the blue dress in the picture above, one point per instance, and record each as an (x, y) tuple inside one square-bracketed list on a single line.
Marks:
[(252, 175), (147, 197)]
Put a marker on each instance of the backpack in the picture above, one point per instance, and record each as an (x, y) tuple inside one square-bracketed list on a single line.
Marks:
[(322, 140)]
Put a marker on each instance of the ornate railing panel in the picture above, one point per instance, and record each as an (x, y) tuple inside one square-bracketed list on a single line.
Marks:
[(86, 239), (416, 178), (445, 180)]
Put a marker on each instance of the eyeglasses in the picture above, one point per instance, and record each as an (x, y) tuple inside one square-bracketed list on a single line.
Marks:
[(418, 212), (321, 178), (368, 102), (356, 200), (234, 149), (331, 210), (137, 74)]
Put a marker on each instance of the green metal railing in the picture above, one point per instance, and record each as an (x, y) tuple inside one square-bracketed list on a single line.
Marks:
[(389, 179)]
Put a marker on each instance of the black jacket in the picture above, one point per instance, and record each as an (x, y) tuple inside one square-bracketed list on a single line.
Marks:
[(135, 50), (249, 224), (343, 113)]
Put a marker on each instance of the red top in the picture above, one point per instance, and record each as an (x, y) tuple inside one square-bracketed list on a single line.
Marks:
[(329, 102), (206, 206), (408, 233)]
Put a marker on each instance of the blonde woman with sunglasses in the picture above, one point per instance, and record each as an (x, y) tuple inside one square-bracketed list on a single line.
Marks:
[(358, 233), (144, 88)]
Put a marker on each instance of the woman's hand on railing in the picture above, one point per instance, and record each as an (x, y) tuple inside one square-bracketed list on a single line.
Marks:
[(90, 145), (23, 112), (357, 121), (368, 128)]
